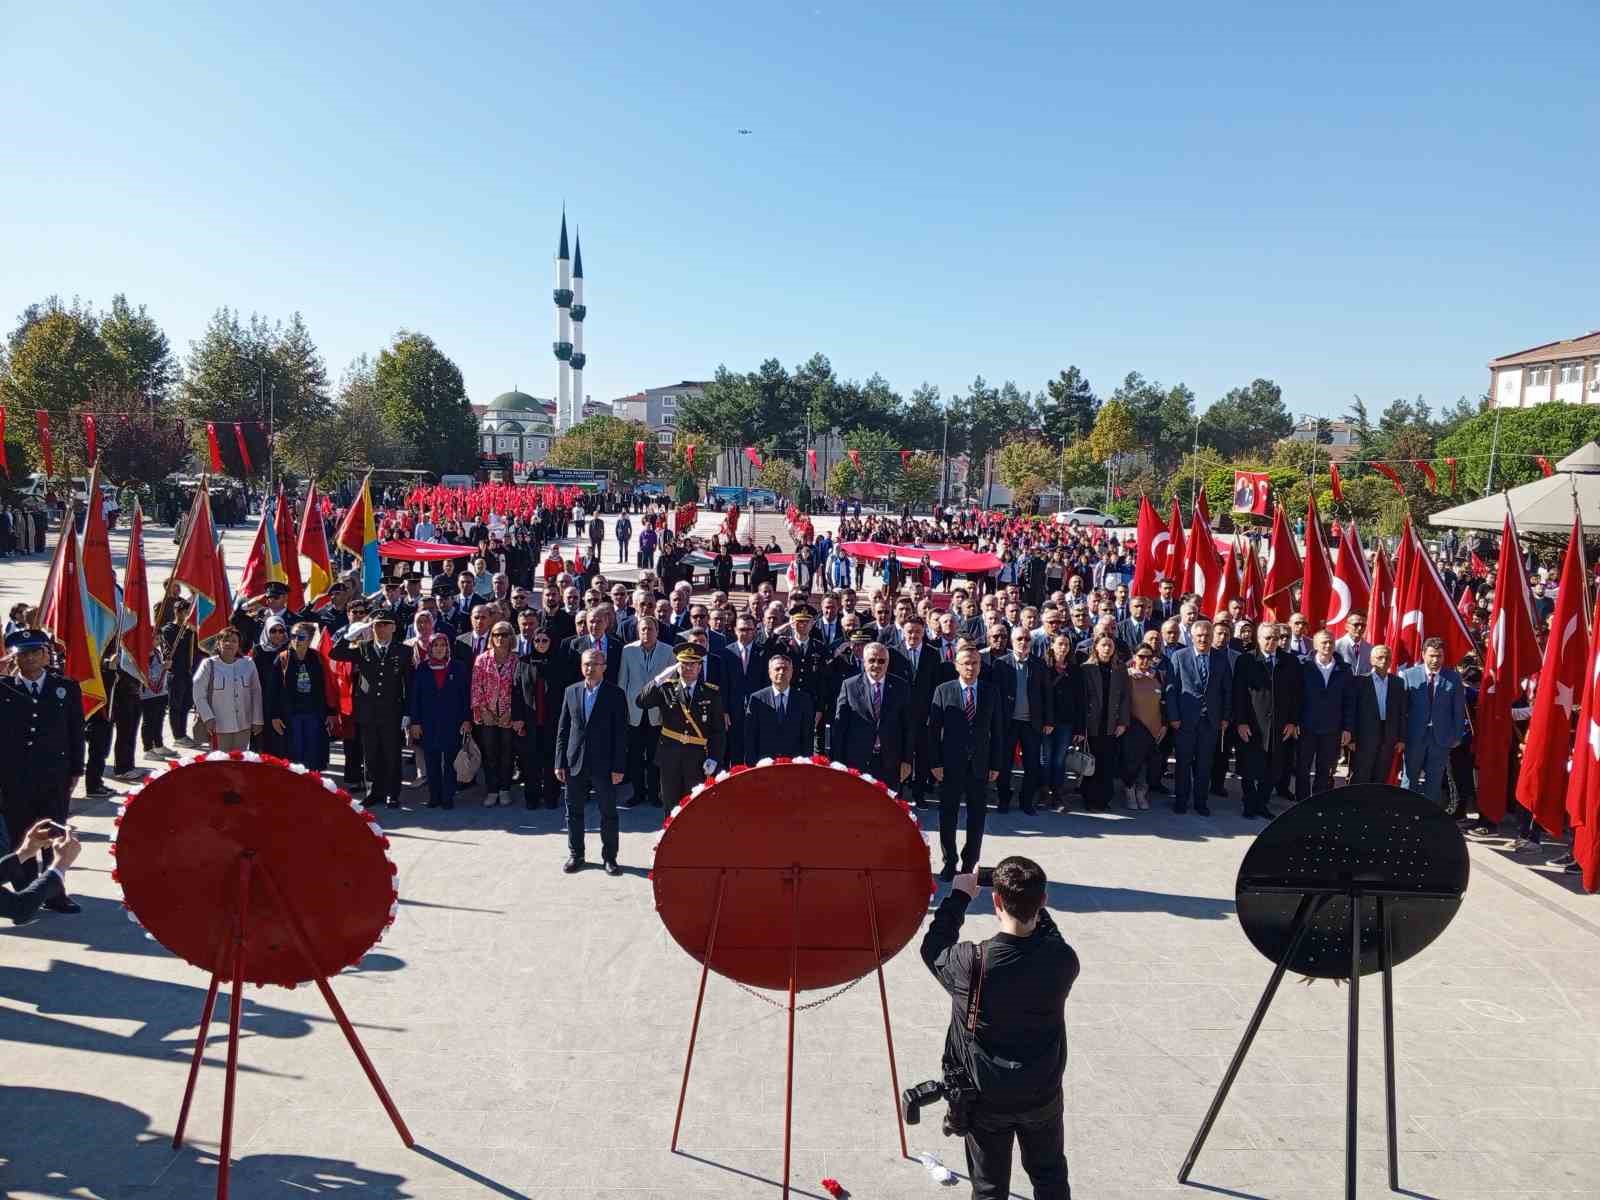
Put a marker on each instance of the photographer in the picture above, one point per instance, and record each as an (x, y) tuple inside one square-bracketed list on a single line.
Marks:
[(33, 892), (1006, 1049)]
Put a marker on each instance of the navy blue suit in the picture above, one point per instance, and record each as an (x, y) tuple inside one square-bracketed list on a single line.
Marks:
[(765, 736), (876, 747), (1200, 697), (966, 751), (590, 750), (1327, 711), (738, 682), (1436, 721)]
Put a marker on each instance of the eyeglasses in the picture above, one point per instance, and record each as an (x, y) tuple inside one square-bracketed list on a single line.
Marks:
[(302, 637), (504, 635)]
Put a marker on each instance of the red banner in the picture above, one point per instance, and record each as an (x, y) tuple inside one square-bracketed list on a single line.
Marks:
[(46, 444), (91, 442), (638, 457), (1250, 492), (905, 459), (244, 451), (1428, 474), (216, 450), (1388, 473), (811, 462), (688, 456), (1451, 463), (755, 459), (1544, 465), (1338, 484), (855, 460)]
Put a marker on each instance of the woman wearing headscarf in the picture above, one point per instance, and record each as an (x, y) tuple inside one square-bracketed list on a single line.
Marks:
[(492, 675), (441, 715), (1064, 678), (274, 641)]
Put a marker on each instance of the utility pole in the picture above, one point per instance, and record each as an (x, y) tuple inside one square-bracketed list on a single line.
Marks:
[(1494, 447), (944, 460)]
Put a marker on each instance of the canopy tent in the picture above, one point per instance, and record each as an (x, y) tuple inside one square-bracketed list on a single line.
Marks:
[(409, 550), (1543, 506)]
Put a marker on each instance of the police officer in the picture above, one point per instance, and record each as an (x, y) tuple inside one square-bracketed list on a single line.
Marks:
[(809, 655), (380, 685), (41, 730), (693, 726)]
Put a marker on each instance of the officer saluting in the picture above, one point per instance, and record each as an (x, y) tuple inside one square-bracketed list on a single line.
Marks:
[(692, 723), (381, 686), (809, 656), (41, 728)]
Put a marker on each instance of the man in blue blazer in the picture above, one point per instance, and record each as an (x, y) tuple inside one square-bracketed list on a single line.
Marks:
[(592, 756), (779, 721), (744, 670), (1436, 720), (1199, 703), (969, 745), (1327, 714)]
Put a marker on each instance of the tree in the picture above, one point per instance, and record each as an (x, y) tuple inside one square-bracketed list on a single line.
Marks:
[(919, 480), (921, 423), (1027, 467), (355, 436), (425, 401), (1362, 425), (56, 360), (142, 448), (777, 475), (607, 443), (1551, 430), (880, 462), (844, 479), (140, 362), (297, 378), (1069, 408), (1246, 419), (223, 384), (725, 412), (1114, 432), (706, 454)]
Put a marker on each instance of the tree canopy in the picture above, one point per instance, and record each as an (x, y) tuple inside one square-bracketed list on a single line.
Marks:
[(425, 402), (607, 443)]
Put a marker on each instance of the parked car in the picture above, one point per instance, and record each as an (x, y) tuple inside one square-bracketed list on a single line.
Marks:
[(1086, 516)]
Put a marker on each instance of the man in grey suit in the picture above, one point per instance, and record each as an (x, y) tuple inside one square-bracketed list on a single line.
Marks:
[(1380, 723), (592, 756), (1199, 692), (1436, 720), (642, 661)]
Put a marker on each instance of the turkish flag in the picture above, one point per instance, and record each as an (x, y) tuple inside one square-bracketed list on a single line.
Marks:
[(1251, 490), (1511, 656), (1388, 473), (1583, 787), (1425, 609), (811, 462), (638, 457), (1172, 566), (1338, 485), (214, 447), (1283, 565), (1542, 785), (855, 460), (1316, 579), (244, 451), (1427, 474), (1392, 631), (1201, 567), (46, 444), (1380, 599), (1544, 465), (688, 456), (91, 442), (1150, 552), (1226, 587), (1467, 603), (1477, 566), (1352, 589), (1204, 508), (755, 459), (1252, 586)]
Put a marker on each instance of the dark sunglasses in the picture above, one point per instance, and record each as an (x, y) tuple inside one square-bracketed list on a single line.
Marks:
[(302, 637)]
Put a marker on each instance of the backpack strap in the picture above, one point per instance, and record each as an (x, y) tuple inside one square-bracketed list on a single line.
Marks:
[(975, 992)]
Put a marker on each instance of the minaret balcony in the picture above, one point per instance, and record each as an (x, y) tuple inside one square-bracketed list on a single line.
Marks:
[(578, 359), (563, 350), (579, 311), (563, 297)]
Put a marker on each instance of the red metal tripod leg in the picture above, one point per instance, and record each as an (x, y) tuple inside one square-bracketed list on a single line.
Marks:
[(883, 997), (235, 1006), (337, 1009), (794, 974), (199, 1052), (694, 1026)]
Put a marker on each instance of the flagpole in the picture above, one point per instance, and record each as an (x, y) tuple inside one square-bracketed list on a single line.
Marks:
[(1494, 446)]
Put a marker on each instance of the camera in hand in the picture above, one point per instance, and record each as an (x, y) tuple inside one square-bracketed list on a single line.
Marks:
[(985, 876), (956, 1088)]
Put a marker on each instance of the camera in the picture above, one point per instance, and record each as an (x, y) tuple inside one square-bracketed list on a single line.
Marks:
[(956, 1088), (985, 876)]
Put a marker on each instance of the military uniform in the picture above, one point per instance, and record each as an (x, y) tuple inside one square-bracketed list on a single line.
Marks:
[(812, 666), (692, 730), (41, 730), (380, 692)]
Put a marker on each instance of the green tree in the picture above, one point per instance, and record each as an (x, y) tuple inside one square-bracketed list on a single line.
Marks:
[(844, 479), (1068, 408), (921, 424), (777, 475), (1114, 431), (919, 480), (56, 360), (988, 417), (355, 435), (297, 378), (880, 462), (140, 359), (425, 402), (1551, 430), (607, 443), (706, 453), (725, 412), (1027, 467), (1246, 419)]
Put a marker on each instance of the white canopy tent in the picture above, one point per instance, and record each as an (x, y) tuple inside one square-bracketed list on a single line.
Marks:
[(1543, 506)]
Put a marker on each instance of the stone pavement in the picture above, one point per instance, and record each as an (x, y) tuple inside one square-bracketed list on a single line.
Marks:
[(531, 1027)]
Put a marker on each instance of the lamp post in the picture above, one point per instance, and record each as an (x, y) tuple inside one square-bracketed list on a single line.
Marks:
[(944, 460), (1194, 458)]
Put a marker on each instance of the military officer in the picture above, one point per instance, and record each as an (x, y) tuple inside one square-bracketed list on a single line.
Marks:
[(251, 615), (380, 688), (810, 657), (693, 726), (41, 730)]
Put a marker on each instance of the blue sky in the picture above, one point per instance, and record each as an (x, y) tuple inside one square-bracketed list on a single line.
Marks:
[(1351, 198)]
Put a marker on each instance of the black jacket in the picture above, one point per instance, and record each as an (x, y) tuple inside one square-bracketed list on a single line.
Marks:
[(1022, 1003), (380, 682), (975, 748), (1265, 699), (1008, 678), (853, 731), (43, 735), (597, 746), (765, 736)]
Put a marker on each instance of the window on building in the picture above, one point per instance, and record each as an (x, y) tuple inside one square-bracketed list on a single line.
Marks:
[(669, 418), (669, 402), (1538, 376), (1571, 372), (664, 437)]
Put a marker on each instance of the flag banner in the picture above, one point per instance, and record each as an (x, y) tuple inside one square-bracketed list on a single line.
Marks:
[(755, 459), (1283, 561), (1352, 587), (1388, 473), (1477, 567), (91, 443), (1338, 484), (1316, 578), (47, 449), (1227, 585), (1426, 610), (1544, 465), (214, 447), (359, 535), (638, 457), (199, 568), (905, 459), (283, 524), (1380, 600), (1542, 782), (1172, 566), (61, 610), (1252, 585), (138, 629), (1149, 552), (1583, 786), (313, 544), (855, 460), (1510, 658), (1203, 505), (1428, 475), (1202, 565), (688, 456), (1451, 463), (1251, 491), (264, 564), (811, 462), (244, 451)]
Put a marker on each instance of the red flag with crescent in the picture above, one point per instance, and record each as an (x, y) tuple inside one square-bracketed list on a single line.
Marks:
[(215, 448), (91, 442), (244, 450), (1388, 473), (755, 459), (638, 457), (811, 462), (1172, 567), (1511, 657), (1316, 579), (1544, 465), (1338, 484), (688, 456), (46, 443), (1150, 554), (1352, 587), (1283, 564), (855, 460)]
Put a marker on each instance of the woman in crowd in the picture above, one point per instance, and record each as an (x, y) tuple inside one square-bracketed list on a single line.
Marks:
[(227, 695), (1065, 681), (1106, 714), (1146, 726), (273, 642), (535, 709), (153, 696), (441, 715), (298, 700), (492, 676)]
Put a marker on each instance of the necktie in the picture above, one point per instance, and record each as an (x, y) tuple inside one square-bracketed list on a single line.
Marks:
[(877, 700), (783, 704), (969, 704), (1205, 670)]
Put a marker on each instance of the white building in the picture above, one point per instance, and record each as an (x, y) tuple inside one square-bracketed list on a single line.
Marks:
[(658, 407), (518, 424), (1567, 372)]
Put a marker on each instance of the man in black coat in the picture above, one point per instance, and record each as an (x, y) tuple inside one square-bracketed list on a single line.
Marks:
[(44, 890), (744, 666), (1268, 694), (1326, 717), (778, 720), (592, 756), (968, 734), (42, 735), (1380, 720), (1025, 700), (923, 670), (871, 728), (380, 686)]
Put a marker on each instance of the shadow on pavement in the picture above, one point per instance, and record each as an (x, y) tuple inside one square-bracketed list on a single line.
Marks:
[(1084, 898)]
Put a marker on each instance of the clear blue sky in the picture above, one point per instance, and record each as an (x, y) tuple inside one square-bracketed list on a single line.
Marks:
[(1365, 198)]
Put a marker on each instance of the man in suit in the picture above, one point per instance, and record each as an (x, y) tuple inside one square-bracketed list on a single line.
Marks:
[(1353, 648), (600, 636), (1025, 699), (1380, 720), (923, 671), (779, 719), (693, 727), (1327, 714), (597, 536), (969, 735), (1139, 622), (473, 643), (806, 652), (1167, 603), (1199, 706), (1436, 720), (592, 757), (744, 666), (871, 728), (1299, 643), (1268, 694), (642, 661), (48, 887), (41, 729), (381, 691)]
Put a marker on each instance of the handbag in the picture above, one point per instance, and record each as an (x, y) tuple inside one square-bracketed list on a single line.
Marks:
[(1080, 763), (468, 759)]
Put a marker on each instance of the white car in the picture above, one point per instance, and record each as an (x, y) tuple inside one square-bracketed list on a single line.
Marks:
[(1085, 516)]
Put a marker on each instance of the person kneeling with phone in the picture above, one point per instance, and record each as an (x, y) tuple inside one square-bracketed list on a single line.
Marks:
[(1008, 1029), (35, 891)]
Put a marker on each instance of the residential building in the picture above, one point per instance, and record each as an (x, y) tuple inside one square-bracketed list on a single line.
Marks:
[(1567, 372), (658, 407)]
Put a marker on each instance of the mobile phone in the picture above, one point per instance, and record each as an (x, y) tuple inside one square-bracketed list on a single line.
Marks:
[(985, 876)]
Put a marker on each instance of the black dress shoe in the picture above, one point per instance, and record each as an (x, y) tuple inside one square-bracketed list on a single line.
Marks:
[(63, 904), (948, 873), (1203, 809), (572, 866), (612, 868)]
